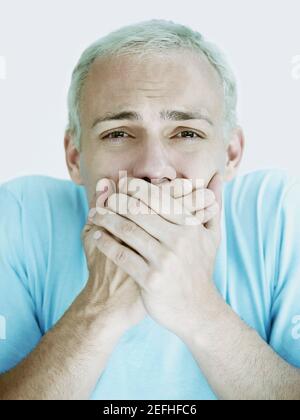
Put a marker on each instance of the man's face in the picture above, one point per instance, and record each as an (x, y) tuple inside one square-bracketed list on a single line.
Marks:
[(158, 146)]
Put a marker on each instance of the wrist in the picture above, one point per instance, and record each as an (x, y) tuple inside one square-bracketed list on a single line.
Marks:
[(96, 315), (205, 321)]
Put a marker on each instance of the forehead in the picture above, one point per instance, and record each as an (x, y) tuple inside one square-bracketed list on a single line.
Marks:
[(180, 80)]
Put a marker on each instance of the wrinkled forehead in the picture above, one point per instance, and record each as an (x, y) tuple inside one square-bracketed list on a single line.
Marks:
[(184, 80)]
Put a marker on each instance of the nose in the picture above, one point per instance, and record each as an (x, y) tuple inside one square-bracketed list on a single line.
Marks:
[(153, 165)]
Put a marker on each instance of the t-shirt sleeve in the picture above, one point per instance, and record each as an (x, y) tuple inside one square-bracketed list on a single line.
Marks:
[(285, 311), (19, 328)]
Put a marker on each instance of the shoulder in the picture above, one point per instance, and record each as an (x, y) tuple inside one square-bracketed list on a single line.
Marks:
[(39, 209), (37, 186), (42, 193), (261, 193), (262, 182)]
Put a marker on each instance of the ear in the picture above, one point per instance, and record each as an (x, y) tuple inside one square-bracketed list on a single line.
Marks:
[(72, 159), (235, 151)]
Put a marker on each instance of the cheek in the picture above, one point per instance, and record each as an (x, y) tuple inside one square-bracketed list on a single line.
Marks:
[(99, 165), (198, 165)]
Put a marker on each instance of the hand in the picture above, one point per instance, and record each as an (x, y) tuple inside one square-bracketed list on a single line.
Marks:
[(173, 264), (108, 284)]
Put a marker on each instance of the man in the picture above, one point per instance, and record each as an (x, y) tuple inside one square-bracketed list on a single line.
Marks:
[(151, 304)]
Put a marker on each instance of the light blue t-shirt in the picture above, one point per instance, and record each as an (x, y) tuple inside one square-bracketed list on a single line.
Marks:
[(43, 268)]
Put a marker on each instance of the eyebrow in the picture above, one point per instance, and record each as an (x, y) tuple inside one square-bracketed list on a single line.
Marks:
[(165, 115)]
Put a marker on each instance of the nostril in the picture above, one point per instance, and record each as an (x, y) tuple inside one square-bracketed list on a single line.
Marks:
[(159, 181)]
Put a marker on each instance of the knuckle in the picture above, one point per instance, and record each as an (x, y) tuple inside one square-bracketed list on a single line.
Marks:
[(121, 256), (102, 211), (104, 243), (99, 220), (128, 228), (106, 220)]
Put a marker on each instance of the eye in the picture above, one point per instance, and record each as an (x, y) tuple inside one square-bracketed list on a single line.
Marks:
[(191, 135), (115, 136)]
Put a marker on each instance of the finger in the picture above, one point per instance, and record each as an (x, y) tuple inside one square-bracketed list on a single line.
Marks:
[(156, 198), (208, 213), (197, 200), (104, 188), (216, 186), (179, 187), (125, 258), (132, 235), (92, 212), (143, 216), (152, 223)]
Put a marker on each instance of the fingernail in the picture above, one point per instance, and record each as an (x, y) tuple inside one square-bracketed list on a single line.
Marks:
[(97, 235)]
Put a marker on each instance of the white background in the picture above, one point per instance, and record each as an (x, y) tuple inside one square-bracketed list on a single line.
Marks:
[(41, 41)]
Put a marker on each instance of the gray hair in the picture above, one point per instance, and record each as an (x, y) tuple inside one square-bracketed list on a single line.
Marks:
[(154, 36)]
